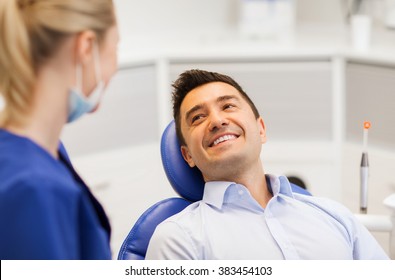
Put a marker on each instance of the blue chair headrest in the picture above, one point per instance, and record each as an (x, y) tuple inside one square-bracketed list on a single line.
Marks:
[(186, 181)]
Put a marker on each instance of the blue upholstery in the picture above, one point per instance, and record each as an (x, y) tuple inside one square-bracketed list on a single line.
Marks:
[(187, 182), (136, 243)]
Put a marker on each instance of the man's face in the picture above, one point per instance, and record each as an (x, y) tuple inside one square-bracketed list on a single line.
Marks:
[(221, 133)]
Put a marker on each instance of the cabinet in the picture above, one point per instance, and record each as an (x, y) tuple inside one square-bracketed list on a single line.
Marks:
[(370, 95)]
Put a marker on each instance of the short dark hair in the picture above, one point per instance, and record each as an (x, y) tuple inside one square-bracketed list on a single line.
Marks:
[(191, 79)]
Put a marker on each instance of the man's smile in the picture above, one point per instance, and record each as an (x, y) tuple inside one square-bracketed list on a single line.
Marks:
[(222, 138)]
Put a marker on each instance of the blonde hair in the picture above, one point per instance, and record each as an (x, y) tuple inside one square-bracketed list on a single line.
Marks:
[(30, 32)]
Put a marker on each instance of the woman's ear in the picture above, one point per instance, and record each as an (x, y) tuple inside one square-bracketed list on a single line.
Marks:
[(187, 156), (84, 46)]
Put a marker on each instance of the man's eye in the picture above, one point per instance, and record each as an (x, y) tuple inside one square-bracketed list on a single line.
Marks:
[(229, 106), (196, 118)]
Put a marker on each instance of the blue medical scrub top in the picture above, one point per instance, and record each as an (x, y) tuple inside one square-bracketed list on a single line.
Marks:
[(46, 210)]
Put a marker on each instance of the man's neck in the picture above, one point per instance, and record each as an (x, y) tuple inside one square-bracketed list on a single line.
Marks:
[(253, 178), (257, 186)]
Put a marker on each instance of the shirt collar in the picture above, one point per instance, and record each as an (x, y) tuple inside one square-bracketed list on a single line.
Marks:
[(215, 191), (279, 185)]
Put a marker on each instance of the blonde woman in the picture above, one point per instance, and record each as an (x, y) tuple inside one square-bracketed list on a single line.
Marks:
[(56, 58)]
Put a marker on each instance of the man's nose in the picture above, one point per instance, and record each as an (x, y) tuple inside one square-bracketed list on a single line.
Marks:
[(217, 120)]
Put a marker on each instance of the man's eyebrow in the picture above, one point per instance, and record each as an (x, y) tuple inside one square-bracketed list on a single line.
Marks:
[(227, 97)]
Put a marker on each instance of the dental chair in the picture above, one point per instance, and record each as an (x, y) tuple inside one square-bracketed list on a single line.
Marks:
[(187, 182)]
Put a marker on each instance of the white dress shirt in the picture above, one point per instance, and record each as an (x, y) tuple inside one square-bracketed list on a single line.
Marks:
[(229, 224)]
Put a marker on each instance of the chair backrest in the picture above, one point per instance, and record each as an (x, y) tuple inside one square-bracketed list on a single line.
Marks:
[(187, 182), (135, 245)]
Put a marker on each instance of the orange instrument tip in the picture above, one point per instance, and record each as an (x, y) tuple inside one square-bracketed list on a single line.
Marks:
[(366, 125)]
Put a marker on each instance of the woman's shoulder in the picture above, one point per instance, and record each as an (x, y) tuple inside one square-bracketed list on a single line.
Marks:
[(25, 166)]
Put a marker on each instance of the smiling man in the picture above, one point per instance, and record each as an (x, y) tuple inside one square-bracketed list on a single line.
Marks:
[(245, 213), (225, 137)]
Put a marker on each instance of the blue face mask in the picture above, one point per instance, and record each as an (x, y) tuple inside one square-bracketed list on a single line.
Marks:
[(78, 103)]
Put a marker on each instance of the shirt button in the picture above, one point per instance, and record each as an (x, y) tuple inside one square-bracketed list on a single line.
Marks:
[(241, 192)]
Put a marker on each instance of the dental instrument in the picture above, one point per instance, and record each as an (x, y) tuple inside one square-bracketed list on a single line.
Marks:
[(364, 172)]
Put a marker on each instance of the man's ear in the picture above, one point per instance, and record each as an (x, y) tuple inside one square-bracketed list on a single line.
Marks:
[(262, 129), (84, 46), (187, 156)]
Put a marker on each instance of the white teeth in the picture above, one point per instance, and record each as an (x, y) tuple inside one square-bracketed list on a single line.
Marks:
[(223, 138)]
